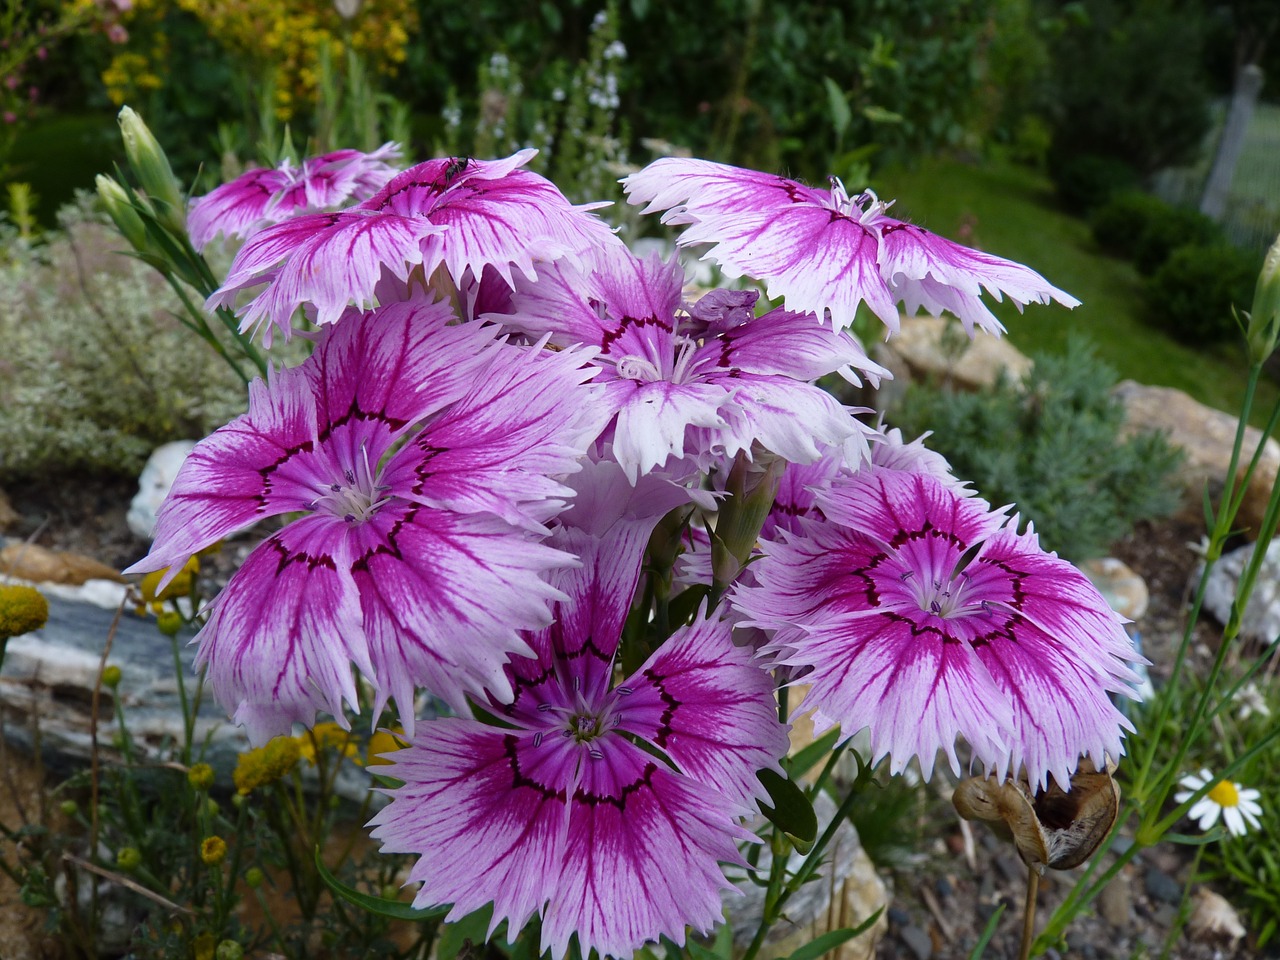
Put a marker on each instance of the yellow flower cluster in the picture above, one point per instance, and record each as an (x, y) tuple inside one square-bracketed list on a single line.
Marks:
[(280, 40), (324, 736), (256, 768)]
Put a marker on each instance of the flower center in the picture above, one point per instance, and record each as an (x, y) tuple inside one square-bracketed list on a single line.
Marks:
[(1225, 794), (864, 208), (650, 369), (358, 497)]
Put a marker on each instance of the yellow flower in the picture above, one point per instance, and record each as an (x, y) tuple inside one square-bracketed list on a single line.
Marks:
[(179, 586), (323, 736), (22, 609), (213, 850), (385, 741), (255, 768), (200, 776)]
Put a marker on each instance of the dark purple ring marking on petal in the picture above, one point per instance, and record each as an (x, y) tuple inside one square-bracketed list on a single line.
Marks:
[(665, 729), (306, 446), (627, 322), (903, 537), (510, 744)]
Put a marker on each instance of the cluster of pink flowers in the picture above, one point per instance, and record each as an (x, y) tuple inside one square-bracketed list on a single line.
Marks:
[(504, 409)]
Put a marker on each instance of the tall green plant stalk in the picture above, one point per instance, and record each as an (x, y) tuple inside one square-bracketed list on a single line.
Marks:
[(1153, 784)]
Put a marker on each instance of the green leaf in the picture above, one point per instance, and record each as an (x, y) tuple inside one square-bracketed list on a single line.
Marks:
[(686, 603), (832, 939), (804, 760), (881, 115), (791, 811), (841, 116), (473, 928), (990, 931), (1213, 836), (380, 906)]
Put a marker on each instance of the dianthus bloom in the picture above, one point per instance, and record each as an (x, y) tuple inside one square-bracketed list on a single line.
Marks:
[(827, 252), (263, 196), (605, 809), (421, 455), (464, 214), (707, 383), (923, 615), (1238, 807)]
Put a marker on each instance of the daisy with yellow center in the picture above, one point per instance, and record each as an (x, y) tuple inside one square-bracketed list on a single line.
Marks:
[(1239, 808)]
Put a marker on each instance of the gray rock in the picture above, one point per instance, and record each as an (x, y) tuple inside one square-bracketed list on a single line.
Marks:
[(1162, 887), (1206, 435), (1261, 620), (918, 941), (153, 485)]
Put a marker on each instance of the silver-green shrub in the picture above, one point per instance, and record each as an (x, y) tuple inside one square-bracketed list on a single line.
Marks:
[(94, 369)]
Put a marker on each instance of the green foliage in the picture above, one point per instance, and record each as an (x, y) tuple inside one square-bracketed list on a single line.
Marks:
[(95, 371), (1145, 229), (1087, 180), (1192, 295), (1051, 445), (1129, 84)]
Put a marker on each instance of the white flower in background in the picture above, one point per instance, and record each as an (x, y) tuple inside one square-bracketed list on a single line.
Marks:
[(1238, 808), (1252, 701)]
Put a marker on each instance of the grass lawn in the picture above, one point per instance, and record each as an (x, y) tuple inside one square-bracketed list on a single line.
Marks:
[(1011, 211)]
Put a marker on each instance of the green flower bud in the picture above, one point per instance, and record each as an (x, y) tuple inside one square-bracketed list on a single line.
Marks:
[(254, 877), (169, 622), (69, 808), (111, 676), (229, 950), (1264, 317), (22, 609), (128, 859), (152, 169), (122, 213)]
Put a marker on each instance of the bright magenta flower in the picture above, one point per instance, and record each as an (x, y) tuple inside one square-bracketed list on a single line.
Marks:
[(923, 615)]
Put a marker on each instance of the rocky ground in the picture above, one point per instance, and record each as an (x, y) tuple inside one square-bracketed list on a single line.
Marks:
[(944, 888)]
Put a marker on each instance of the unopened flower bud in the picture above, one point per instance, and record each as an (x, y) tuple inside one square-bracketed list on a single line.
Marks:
[(22, 609), (152, 169), (69, 808), (1264, 317), (254, 877), (229, 950), (128, 859), (169, 622), (111, 675), (122, 213)]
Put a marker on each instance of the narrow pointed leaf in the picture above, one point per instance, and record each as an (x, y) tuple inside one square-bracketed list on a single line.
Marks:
[(791, 811), (393, 909)]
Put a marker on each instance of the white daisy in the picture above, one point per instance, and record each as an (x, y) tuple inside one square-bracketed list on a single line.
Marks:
[(1238, 808)]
